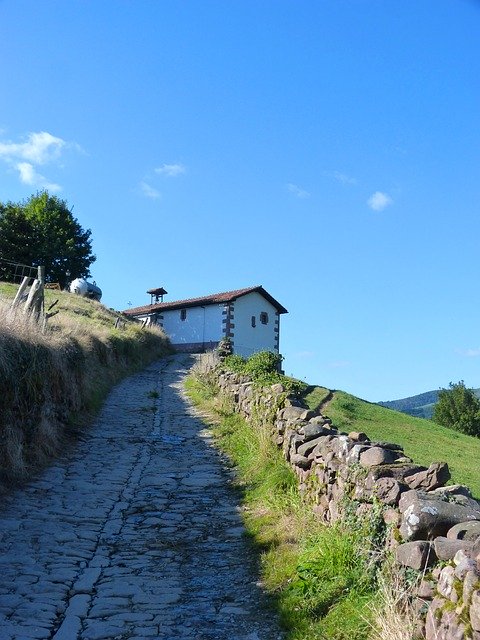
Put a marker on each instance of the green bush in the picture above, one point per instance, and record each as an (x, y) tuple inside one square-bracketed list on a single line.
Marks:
[(263, 363), (235, 363), (264, 369), (458, 408)]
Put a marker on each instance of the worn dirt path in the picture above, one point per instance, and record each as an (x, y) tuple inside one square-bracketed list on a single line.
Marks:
[(134, 534)]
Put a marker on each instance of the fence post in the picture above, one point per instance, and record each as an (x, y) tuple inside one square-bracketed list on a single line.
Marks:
[(40, 305), (20, 292)]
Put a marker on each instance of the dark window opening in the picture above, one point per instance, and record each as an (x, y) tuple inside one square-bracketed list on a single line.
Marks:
[(253, 321), (183, 314), (264, 317)]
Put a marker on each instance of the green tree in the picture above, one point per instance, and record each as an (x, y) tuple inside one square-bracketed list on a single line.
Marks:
[(43, 231), (458, 408)]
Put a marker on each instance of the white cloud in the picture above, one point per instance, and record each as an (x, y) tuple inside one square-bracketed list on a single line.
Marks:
[(379, 201), (39, 149), (28, 175), (171, 170), (149, 191), (343, 178), (297, 191)]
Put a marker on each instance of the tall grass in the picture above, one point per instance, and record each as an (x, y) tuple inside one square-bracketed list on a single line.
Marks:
[(322, 579), (51, 381)]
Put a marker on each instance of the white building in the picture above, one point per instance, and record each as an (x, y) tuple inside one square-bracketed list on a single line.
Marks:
[(249, 317)]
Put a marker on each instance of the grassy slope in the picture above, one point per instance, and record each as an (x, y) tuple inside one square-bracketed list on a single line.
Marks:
[(53, 381), (424, 441)]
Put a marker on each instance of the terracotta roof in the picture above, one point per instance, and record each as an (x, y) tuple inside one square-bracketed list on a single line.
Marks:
[(214, 298)]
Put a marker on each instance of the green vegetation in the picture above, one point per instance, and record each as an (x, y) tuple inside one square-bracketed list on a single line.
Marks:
[(43, 231), (321, 579), (264, 369), (423, 440), (52, 381), (458, 408)]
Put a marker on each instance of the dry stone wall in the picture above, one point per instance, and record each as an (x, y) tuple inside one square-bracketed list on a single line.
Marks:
[(432, 527)]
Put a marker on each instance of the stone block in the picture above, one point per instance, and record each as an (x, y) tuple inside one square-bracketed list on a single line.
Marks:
[(375, 456), (358, 436), (353, 456), (307, 447), (416, 555), (475, 610), (435, 476), (300, 461), (445, 585), (391, 517), (446, 548), (424, 518), (396, 470), (311, 431), (426, 589), (469, 530), (388, 491), (463, 564)]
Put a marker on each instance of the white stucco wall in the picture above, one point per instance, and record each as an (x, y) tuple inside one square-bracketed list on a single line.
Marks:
[(248, 339), (202, 324)]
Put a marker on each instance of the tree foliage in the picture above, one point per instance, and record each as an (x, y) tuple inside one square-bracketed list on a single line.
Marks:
[(458, 408), (43, 231)]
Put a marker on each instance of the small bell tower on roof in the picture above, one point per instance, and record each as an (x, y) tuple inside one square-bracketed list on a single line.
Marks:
[(156, 295)]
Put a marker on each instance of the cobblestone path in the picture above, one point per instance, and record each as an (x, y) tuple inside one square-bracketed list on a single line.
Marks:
[(134, 534)]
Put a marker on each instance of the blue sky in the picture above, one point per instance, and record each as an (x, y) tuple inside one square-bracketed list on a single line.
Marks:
[(328, 150)]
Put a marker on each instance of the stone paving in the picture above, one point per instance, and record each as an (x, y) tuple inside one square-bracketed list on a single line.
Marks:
[(134, 533)]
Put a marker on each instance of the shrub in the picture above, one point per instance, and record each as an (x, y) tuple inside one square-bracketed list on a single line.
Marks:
[(263, 363), (458, 408)]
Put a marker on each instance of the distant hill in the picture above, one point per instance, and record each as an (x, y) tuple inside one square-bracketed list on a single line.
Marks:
[(420, 406)]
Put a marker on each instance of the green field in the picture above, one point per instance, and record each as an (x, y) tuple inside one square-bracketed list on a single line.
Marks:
[(423, 440)]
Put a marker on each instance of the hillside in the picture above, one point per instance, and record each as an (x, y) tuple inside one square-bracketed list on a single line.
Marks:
[(421, 405), (53, 381), (423, 440)]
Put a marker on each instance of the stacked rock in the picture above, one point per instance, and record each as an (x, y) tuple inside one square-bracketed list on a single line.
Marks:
[(433, 528)]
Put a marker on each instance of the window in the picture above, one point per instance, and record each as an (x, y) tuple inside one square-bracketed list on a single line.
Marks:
[(264, 317), (253, 321), (183, 314)]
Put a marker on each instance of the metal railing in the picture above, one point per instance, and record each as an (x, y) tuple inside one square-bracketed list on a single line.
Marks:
[(15, 272)]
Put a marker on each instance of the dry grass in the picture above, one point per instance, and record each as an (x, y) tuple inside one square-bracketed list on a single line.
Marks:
[(53, 380), (394, 616)]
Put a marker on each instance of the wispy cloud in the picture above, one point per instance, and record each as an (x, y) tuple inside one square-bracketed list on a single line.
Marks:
[(171, 170), (469, 353), (38, 149), (148, 191), (297, 191), (343, 178), (28, 175), (378, 201), (339, 364), (305, 354)]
